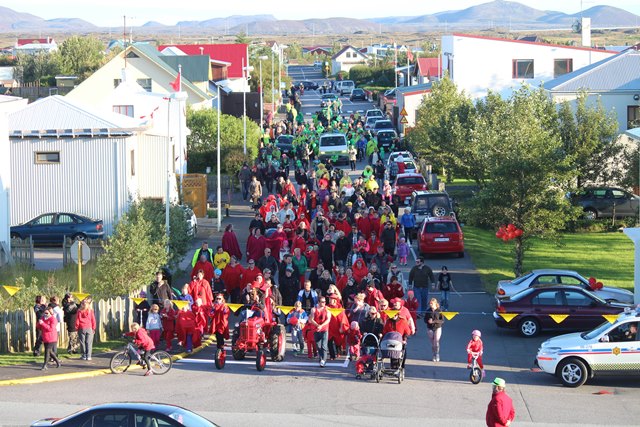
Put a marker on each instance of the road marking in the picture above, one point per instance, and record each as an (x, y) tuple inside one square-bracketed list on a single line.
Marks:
[(415, 258), (345, 364)]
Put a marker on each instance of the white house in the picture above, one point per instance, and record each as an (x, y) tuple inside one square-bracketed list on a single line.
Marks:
[(409, 99), (614, 81), (35, 46), (348, 57), (66, 157), (477, 64)]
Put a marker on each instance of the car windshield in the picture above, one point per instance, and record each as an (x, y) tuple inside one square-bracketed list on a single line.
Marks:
[(285, 139), (440, 227), (410, 180), (386, 124), (521, 278), (357, 91), (374, 113), (595, 332), (386, 134), (332, 141)]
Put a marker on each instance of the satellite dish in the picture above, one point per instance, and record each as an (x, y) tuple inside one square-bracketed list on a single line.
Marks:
[(577, 26)]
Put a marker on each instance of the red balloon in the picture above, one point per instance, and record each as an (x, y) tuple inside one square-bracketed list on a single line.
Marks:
[(511, 227), (518, 232), (505, 238), (592, 281), (499, 234), (511, 235), (599, 286)]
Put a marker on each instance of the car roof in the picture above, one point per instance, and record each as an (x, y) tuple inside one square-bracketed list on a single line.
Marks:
[(556, 271), (411, 174), (332, 134), (165, 408), (446, 218), (374, 109), (427, 192), (384, 120)]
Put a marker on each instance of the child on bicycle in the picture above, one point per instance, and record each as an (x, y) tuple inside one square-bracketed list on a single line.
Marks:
[(475, 349), (144, 342)]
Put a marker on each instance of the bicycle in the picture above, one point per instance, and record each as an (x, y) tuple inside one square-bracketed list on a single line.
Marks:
[(160, 361), (475, 376)]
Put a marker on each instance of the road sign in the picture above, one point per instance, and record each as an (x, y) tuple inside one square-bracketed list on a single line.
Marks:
[(404, 113), (75, 249), (404, 120)]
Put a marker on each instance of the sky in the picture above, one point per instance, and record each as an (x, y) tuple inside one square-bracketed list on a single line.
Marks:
[(110, 13)]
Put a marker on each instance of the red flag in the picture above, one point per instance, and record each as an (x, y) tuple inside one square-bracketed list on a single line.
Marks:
[(409, 55), (177, 83)]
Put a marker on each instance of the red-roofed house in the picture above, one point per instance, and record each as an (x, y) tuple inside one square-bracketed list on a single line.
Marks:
[(428, 69), (33, 46)]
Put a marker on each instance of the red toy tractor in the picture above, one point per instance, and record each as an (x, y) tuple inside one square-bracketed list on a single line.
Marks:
[(257, 332)]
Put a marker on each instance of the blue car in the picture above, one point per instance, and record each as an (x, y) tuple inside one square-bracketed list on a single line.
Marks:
[(54, 227)]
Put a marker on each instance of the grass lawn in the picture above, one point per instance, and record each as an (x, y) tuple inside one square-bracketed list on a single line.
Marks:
[(606, 256), (7, 359), (460, 181)]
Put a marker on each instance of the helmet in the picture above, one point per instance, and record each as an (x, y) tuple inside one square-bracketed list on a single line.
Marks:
[(476, 333)]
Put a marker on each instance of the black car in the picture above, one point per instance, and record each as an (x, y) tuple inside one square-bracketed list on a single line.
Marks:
[(129, 414), (386, 138), (309, 85), (55, 226), (605, 202), (358, 93), (285, 144)]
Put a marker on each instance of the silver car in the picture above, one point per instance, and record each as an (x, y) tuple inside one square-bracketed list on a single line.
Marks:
[(552, 277)]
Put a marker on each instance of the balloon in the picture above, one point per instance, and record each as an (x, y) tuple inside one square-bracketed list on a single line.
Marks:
[(505, 238), (511, 227), (511, 235), (592, 281), (599, 286), (499, 234), (518, 232)]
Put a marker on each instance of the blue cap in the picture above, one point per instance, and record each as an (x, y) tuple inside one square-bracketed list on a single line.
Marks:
[(218, 271)]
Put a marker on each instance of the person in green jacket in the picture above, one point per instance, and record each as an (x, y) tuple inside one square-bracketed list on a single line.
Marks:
[(371, 147), (300, 261), (206, 251)]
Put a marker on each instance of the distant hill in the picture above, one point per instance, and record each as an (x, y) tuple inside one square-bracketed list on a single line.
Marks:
[(498, 13)]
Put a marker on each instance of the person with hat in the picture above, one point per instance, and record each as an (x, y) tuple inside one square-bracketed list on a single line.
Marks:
[(398, 304), (500, 411), (289, 286)]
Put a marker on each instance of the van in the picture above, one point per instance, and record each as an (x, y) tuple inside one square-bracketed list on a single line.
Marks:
[(345, 86), (333, 146)]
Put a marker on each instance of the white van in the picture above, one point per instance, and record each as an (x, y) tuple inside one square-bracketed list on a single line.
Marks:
[(345, 86), (333, 146)]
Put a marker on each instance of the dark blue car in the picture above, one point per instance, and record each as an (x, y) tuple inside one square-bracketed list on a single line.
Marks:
[(54, 227)]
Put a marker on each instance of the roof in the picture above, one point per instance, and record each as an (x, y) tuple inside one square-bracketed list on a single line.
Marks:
[(616, 73), (472, 36), (344, 49), (414, 90), (634, 133), (428, 67), (194, 68), (232, 53), (45, 40), (58, 116)]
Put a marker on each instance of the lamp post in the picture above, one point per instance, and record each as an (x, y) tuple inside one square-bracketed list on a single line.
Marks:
[(244, 107), (261, 58), (273, 92), (218, 160)]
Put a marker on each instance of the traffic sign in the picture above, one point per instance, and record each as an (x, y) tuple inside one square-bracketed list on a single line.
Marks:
[(404, 113), (75, 249), (404, 120)]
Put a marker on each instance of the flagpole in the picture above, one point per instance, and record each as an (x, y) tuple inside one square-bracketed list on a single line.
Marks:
[(180, 131), (244, 108), (395, 62), (218, 161), (408, 77)]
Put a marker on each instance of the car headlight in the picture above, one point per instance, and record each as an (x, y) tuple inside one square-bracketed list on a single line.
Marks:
[(548, 351)]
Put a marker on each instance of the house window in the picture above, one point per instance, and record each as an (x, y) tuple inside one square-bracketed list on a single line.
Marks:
[(145, 83), (126, 110), (633, 116), (133, 163), (47, 157), (562, 66), (348, 54), (116, 82), (522, 69)]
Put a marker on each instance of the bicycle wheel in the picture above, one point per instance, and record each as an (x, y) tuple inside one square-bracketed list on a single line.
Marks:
[(120, 362), (475, 376), (160, 362)]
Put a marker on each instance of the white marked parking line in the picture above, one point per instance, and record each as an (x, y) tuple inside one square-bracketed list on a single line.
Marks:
[(345, 364)]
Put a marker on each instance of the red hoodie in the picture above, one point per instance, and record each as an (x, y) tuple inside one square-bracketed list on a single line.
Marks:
[(49, 328), (232, 277), (142, 339), (85, 320)]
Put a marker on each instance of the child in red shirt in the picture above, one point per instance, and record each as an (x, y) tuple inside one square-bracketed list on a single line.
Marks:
[(168, 316), (475, 347), (353, 340), (144, 342), (308, 332), (411, 303), (188, 335)]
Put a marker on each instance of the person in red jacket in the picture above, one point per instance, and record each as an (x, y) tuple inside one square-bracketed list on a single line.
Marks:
[(398, 324), (411, 304), (398, 304), (232, 279), (188, 335), (372, 296), (256, 244), (168, 316), (250, 273), (205, 266), (500, 412), (200, 288), (475, 348), (220, 320), (393, 289), (48, 325), (86, 326), (338, 325), (201, 314), (144, 342), (360, 270)]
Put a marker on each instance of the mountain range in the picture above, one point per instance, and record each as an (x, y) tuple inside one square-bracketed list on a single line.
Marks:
[(498, 13)]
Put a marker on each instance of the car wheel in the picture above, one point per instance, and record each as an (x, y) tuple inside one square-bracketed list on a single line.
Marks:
[(590, 214), (572, 372), (529, 327), (15, 236), (460, 254)]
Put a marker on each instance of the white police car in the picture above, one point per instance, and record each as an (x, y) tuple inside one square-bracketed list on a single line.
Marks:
[(610, 349)]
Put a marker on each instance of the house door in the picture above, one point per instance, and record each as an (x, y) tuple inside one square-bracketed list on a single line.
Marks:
[(194, 193)]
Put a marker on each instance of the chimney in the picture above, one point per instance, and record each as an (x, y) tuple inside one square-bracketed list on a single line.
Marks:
[(586, 31), (201, 50)]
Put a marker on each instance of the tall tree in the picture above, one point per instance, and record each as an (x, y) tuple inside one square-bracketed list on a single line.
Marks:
[(81, 56)]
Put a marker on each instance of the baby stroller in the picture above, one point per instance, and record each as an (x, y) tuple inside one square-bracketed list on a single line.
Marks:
[(369, 355), (391, 347)]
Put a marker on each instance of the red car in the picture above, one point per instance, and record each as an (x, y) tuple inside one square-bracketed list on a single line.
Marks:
[(572, 308), (405, 184), (441, 235)]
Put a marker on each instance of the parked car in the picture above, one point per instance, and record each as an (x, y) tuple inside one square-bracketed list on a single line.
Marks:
[(358, 94), (405, 184), (386, 138), (129, 414), (326, 98), (333, 145), (545, 277), (309, 85), (610, 349), (554, 308), (430, 203), (383, 124), (394, 155), (55, 226), (371, 121), (605, 202), (441, 235), (285, 144), (344, 86), (373, 113)]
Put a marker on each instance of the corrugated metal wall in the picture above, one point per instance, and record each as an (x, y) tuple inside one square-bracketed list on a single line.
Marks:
[(90, 180), (151, 159)]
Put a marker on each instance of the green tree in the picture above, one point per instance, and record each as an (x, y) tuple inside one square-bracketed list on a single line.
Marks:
[(130, 258), (242, 38), (41, 67), (271, 61), (202, 141), (527, 167), (81, 56)]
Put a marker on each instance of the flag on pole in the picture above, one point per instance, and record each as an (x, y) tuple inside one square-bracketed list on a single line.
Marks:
[(177, 83), (409, 55)]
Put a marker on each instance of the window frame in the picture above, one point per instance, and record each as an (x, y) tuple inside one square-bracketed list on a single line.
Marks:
[(125, 110), (38, 161), (568, 62), (633, 116), (515, 69)]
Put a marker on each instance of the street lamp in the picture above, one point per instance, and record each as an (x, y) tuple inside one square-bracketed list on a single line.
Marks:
[(273, 93), (261, 58), (244, 107), (218, 160)]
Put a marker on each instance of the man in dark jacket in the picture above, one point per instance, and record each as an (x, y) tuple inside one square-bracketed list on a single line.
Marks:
[(342, 249), (325, 252), (269, 262), (420, 278), (286, 263), (289, 287), (257, 223), (388, 237)]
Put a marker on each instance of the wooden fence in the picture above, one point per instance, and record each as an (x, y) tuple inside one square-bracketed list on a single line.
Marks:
[(22, 250), (18, 328)]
